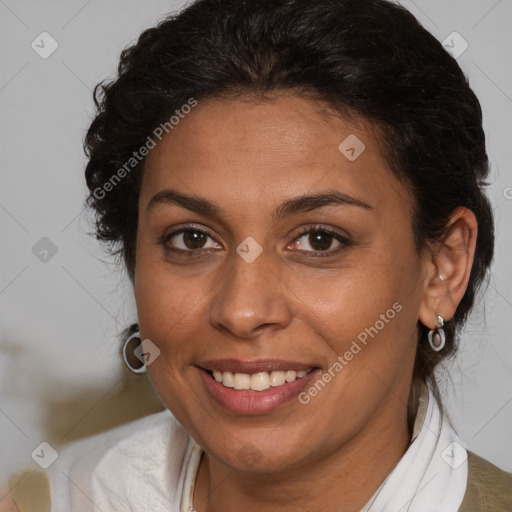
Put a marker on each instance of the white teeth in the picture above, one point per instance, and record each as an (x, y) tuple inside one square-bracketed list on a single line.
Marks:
[(290, 376), (257, 381), (242, 381), (228, 379), (277, 379)]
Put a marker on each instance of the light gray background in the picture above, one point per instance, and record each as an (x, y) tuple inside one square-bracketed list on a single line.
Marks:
[(59, 319)]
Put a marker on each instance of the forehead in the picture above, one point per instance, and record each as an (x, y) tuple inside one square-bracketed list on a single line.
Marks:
[(243, 150)]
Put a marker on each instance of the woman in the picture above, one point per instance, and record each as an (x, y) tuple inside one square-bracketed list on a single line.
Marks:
[(296, 190)]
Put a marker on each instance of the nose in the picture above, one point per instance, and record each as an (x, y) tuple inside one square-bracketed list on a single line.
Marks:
[(251, 298)]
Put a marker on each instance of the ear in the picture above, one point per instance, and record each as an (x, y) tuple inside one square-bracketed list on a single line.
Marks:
[(448, 267)]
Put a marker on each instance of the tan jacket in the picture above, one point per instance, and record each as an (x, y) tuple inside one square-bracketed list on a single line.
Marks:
[(489, 489)]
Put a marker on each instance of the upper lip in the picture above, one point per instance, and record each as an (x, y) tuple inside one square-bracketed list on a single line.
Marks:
[(254, 366)]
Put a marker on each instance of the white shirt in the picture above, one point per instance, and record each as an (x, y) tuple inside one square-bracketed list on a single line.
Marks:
[(151, 465)]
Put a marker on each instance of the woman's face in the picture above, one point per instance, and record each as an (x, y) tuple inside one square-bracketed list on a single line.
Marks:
[(226, 279)]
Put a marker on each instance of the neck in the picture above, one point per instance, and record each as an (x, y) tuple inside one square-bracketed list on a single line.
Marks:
[(345, 479)]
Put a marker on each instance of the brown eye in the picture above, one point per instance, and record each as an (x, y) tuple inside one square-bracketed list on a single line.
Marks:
[(194, 239), (318, 240), (189, 240)]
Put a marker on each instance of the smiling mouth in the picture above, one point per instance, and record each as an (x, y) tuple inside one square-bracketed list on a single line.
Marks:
[(260, 381), (254, 387)]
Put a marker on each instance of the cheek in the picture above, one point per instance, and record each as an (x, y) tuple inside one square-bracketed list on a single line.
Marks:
[(167, 304), (366, 313), (168, 308), (349, 298), (363, 325)]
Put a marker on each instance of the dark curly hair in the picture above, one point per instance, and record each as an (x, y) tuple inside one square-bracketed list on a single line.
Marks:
[(371, 58)]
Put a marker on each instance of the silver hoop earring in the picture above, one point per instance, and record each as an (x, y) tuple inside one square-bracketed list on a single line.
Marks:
[(436, 336), (131, 355)]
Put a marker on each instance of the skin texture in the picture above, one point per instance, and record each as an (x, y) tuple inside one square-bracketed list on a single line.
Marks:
[(249, 156)]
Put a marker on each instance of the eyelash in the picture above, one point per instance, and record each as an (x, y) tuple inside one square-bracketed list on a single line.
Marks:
[(305, 231), (344, 241)]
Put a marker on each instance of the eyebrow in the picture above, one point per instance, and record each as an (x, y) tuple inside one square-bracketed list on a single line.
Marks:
[(305, 203)]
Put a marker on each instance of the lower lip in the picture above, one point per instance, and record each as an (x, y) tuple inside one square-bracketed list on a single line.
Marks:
[(250, 402)]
